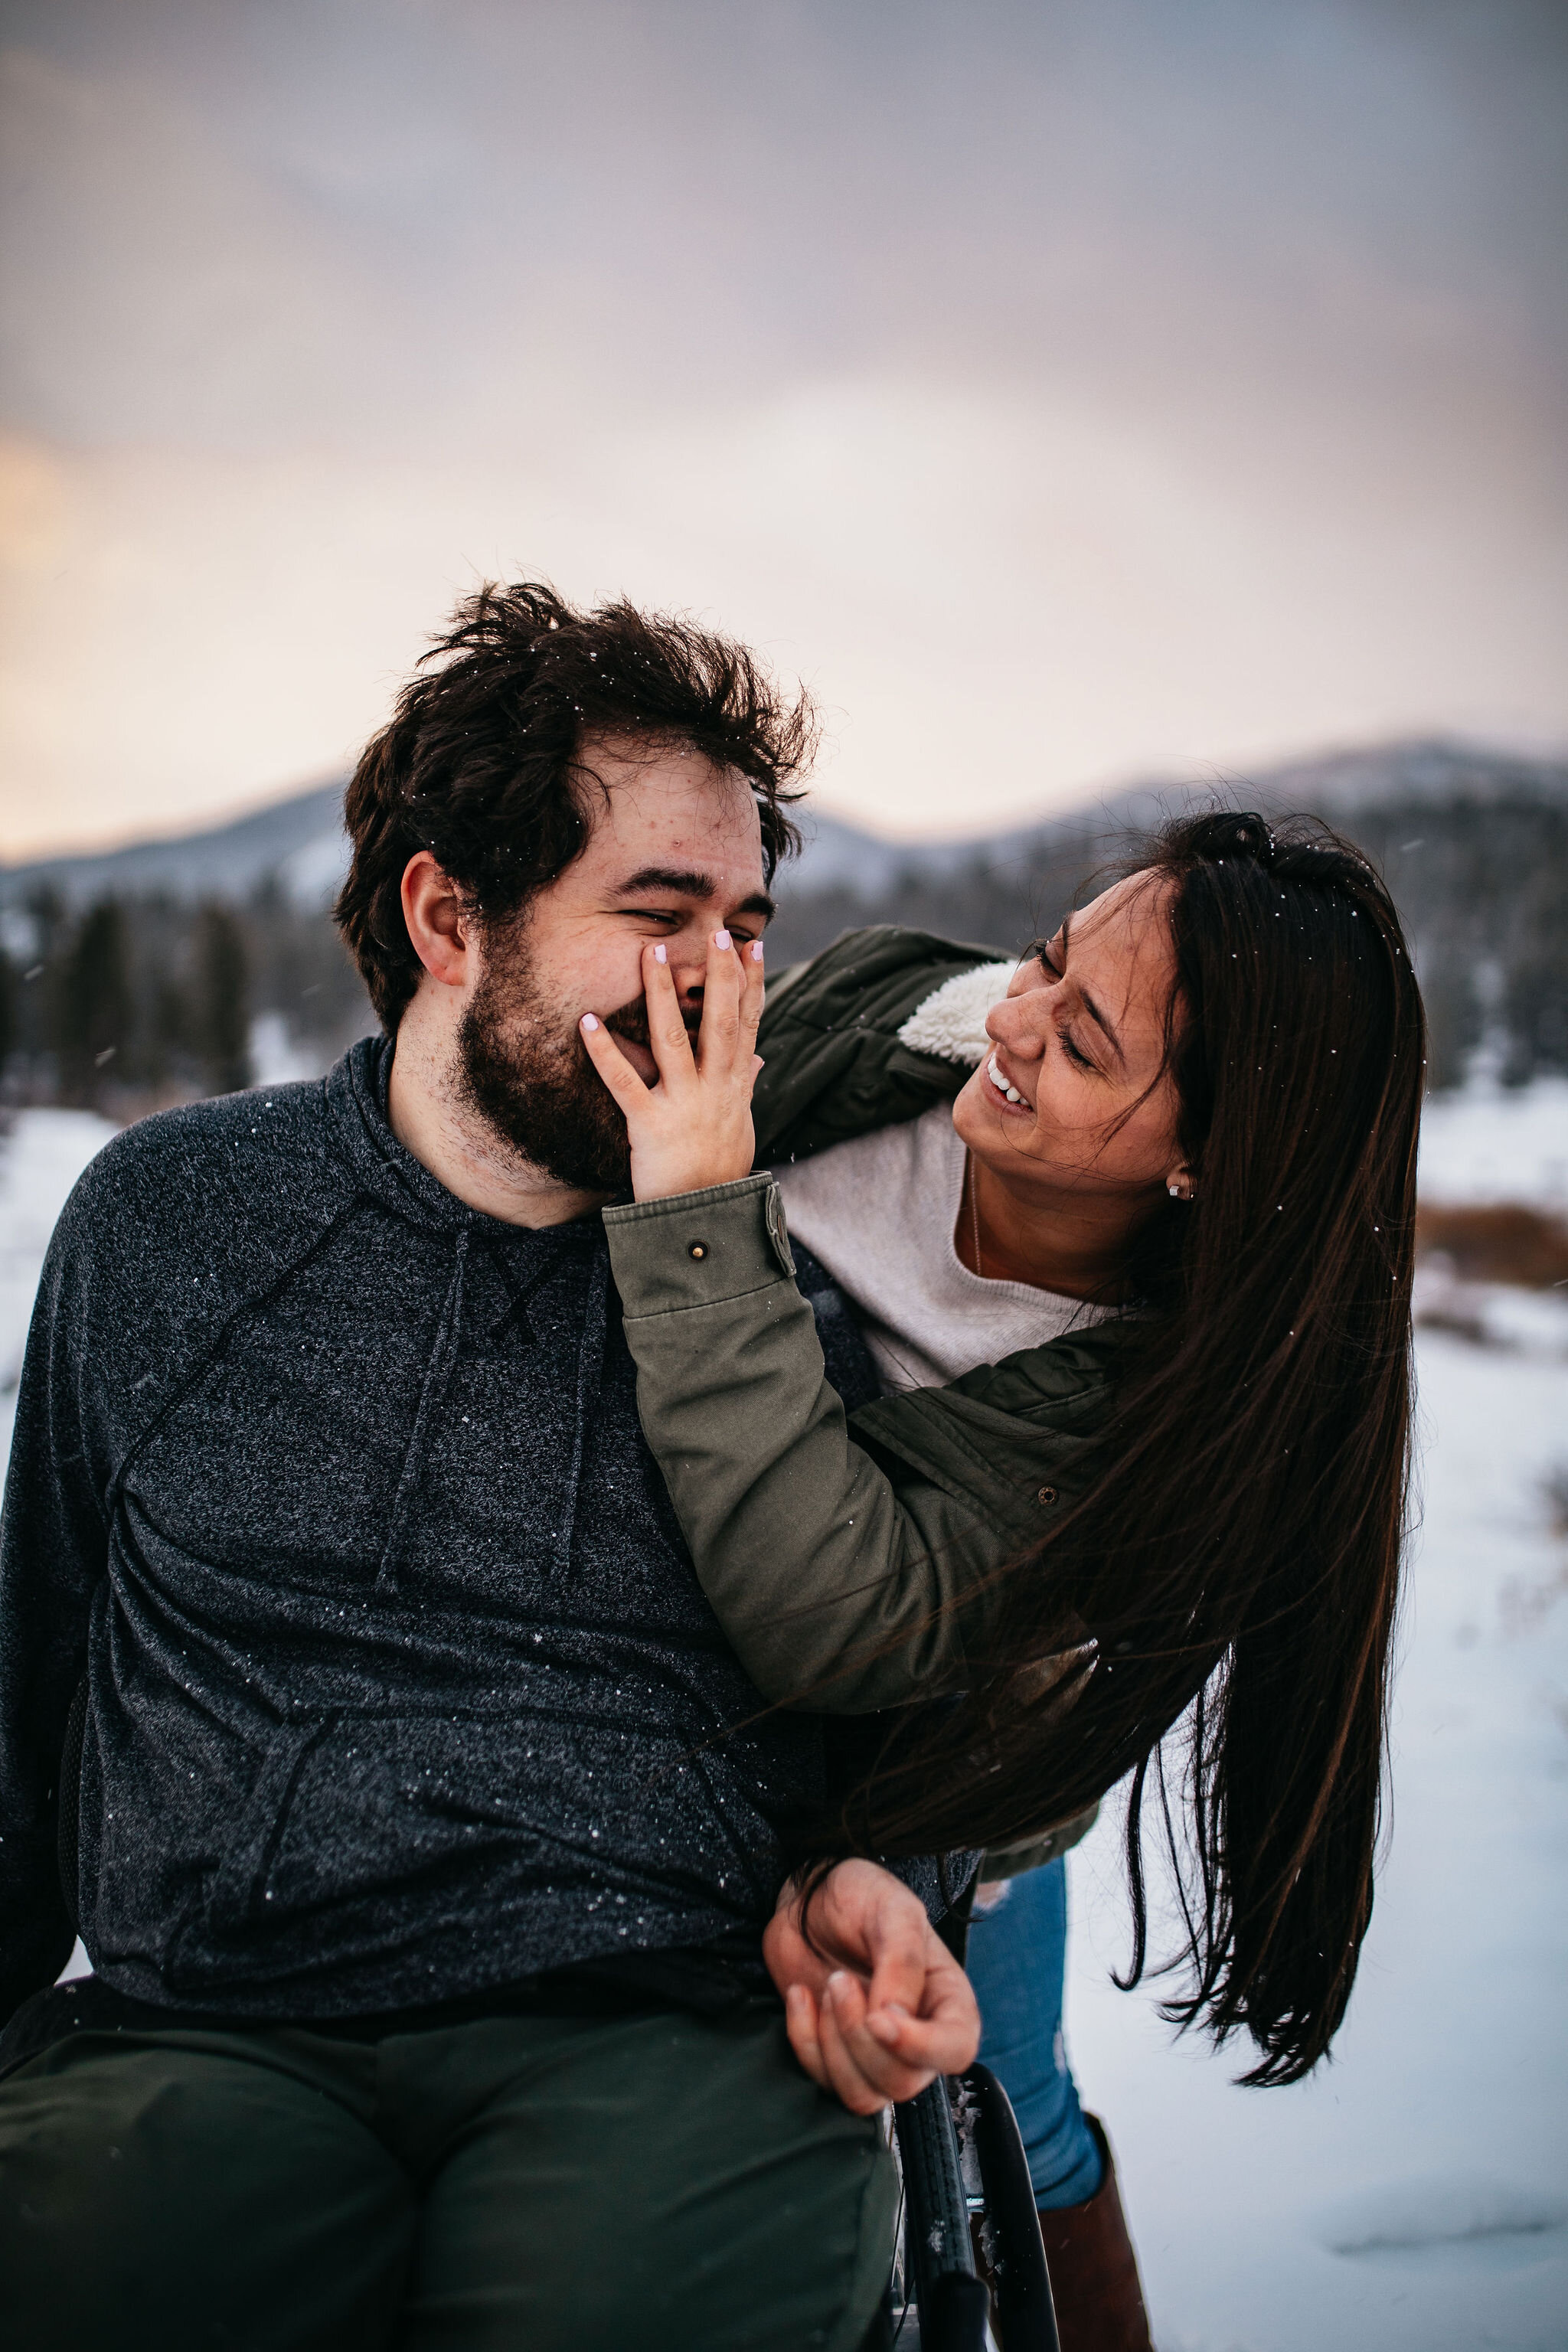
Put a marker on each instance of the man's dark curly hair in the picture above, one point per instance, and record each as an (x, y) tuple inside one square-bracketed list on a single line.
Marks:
[(481, 762)]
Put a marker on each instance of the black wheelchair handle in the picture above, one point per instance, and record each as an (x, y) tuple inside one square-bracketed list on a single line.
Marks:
[(958, 2131), (1010, 2231), (953, 2303)]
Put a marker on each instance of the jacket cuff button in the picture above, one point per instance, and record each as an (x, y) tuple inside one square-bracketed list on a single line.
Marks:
[(695, 1249), (1046, 1494)]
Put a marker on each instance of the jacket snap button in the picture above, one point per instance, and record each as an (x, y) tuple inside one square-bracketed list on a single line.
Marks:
[(1048, 1495), (697, 1249)]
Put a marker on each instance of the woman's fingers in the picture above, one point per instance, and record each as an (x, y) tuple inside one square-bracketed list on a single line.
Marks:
[(900, 1946), (719, 1035), (890, 2008), (670, 1041), (943, 2031), (691, 1128), (753, 989), (863, 2068), (943, 2041), (805, 2037), (841, 2019), (612, 1065)]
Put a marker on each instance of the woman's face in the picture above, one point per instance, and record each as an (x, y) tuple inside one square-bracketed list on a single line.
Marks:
[(1078, 1044)]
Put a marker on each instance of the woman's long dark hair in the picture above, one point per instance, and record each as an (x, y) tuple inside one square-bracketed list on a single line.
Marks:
[(1233, 1567)]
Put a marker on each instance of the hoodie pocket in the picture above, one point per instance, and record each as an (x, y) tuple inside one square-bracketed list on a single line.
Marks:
[(354, 1816), (239, 1891)]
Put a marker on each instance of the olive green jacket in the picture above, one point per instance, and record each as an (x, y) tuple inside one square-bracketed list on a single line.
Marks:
[(852, 1563)]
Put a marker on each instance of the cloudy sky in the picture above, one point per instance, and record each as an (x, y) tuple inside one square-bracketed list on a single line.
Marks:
[(1067, 391)]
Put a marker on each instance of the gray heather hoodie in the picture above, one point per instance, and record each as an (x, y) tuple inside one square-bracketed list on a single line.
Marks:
[(400, 1684)]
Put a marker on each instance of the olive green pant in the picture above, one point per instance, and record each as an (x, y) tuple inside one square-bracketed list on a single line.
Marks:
[(630, 2184)]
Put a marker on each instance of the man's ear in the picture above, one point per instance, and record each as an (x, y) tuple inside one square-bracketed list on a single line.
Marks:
[(438, 922)]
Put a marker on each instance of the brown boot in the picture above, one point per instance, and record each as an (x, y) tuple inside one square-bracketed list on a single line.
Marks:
[(1094, 2271)]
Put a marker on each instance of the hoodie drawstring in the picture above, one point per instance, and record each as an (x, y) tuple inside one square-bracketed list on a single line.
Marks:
[(590, 1382), (438, 1373)]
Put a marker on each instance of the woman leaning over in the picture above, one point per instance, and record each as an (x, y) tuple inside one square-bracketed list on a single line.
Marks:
[(1198, 1116)]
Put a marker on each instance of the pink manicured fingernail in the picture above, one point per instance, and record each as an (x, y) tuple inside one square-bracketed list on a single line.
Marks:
[(661, 954), (721, 940), (756, 950), (589, 1022)]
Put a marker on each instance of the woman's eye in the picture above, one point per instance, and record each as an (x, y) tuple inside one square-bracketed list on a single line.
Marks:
[(1070, 1050)]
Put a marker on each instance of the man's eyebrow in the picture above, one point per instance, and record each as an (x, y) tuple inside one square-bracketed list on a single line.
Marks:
[(689, 882), (1090, 1007)]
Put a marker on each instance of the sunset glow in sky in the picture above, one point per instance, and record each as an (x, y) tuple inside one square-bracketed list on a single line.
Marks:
[(1068, 390)]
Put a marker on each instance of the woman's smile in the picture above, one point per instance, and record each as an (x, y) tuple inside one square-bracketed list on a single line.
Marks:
[(1001, 1087)]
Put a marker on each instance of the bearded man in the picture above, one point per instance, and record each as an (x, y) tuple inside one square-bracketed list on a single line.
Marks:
[(358, 1698)]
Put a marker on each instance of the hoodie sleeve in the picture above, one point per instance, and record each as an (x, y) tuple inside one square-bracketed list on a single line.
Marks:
[(53, 1554)]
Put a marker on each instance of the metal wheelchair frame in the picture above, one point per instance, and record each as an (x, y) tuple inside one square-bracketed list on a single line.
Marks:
[(965, 2177)]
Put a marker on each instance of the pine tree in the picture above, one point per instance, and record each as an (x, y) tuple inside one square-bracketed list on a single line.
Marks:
[(93, 1010), (222, 1001), (7, 1010)]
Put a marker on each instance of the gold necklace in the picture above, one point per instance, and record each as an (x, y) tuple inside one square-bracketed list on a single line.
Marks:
[(969, 1177)]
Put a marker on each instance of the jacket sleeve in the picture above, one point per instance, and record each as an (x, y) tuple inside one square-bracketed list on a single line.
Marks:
[(834, 1064), (852, 1564), (53, 1554)]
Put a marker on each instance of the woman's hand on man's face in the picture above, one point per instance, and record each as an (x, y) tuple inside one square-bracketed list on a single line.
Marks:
[(694, 1127), (875, 2005)]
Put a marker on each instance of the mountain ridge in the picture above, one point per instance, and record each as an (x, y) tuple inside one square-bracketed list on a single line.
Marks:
[(1473, 844), (297, 842)]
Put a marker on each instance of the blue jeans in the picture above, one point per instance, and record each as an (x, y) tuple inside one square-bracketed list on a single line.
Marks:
[(1018, 1955)]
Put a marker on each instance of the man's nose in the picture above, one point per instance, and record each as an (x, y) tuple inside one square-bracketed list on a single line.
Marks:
[(689, 967)]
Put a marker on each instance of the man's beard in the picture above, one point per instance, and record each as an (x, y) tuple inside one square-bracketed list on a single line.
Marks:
[(527, 1075)]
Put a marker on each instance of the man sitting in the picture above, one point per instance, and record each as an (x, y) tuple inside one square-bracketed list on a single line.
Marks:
[(422, 1827)]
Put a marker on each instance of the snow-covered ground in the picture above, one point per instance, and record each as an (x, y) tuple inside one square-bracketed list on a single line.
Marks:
[(1487, 1142), (1413, 2197), (40, 1160)]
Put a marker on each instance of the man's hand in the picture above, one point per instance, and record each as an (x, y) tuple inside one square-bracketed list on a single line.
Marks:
[(694, 1127), (880, 2007)]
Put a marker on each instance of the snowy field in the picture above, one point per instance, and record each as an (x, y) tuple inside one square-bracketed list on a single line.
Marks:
[(1497, 1143), (40, 1160), (1413, 2197)]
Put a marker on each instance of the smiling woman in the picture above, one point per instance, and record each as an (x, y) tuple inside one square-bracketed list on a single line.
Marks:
[(1071, 1118), (1193, 1142)]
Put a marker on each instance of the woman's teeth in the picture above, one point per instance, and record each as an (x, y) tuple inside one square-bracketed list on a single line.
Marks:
[(993, 1072)]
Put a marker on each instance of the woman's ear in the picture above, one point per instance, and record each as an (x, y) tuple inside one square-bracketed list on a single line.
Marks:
[(437, 923), (1180, 1185)]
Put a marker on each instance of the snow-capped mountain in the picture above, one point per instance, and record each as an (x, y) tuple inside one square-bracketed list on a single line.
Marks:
[(298, 842)]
